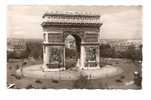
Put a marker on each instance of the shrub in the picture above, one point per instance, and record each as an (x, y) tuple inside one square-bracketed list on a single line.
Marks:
[(118, 81), (34, 49), (122, 77), (29, 86), (55, 81), (38, 81), (15, 76)]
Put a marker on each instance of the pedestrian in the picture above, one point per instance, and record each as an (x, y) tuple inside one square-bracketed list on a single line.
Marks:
[(21, 70)]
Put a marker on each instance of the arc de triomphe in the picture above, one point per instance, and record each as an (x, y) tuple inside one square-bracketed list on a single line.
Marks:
[(83, 26)]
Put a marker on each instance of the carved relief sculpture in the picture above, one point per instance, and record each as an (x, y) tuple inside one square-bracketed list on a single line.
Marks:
[(91, 56)]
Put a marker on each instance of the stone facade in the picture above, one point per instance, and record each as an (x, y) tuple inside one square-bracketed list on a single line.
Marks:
[(85, 28)]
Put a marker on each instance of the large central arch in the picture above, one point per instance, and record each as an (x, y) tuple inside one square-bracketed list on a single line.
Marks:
[(77, 37), (84, 27), (72, 56)]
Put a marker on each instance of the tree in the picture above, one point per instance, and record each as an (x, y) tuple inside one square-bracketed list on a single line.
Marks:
[(132, 53), (107, 51), (34, 49), (140, 52), (28, 50)]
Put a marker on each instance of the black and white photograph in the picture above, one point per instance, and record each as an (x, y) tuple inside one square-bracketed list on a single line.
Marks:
[(74, 47)]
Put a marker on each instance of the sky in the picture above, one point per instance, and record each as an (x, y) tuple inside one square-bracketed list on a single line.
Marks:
[(119, 22)]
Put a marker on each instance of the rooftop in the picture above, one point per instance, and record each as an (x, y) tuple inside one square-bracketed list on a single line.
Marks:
[(70, 13)]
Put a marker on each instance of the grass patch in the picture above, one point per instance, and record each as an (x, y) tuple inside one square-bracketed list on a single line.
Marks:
[(29, 86), (118, 81), (38, 81), (55, 81), (122, 77)]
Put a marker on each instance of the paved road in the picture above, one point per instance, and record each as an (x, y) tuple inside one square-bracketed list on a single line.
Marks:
[(35, 71)]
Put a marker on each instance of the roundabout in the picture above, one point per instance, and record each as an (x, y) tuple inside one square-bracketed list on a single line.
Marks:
[(35, 71)]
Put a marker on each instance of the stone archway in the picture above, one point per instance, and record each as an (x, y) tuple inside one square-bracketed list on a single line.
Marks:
[(72, 56), (85, 28)]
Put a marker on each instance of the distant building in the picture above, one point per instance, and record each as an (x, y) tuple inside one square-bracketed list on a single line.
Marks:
[(122, 45), (70, 42), (16, 45)]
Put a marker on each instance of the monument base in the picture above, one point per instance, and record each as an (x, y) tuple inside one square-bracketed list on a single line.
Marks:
[(78, 65), (46, 69), (85, 68)]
